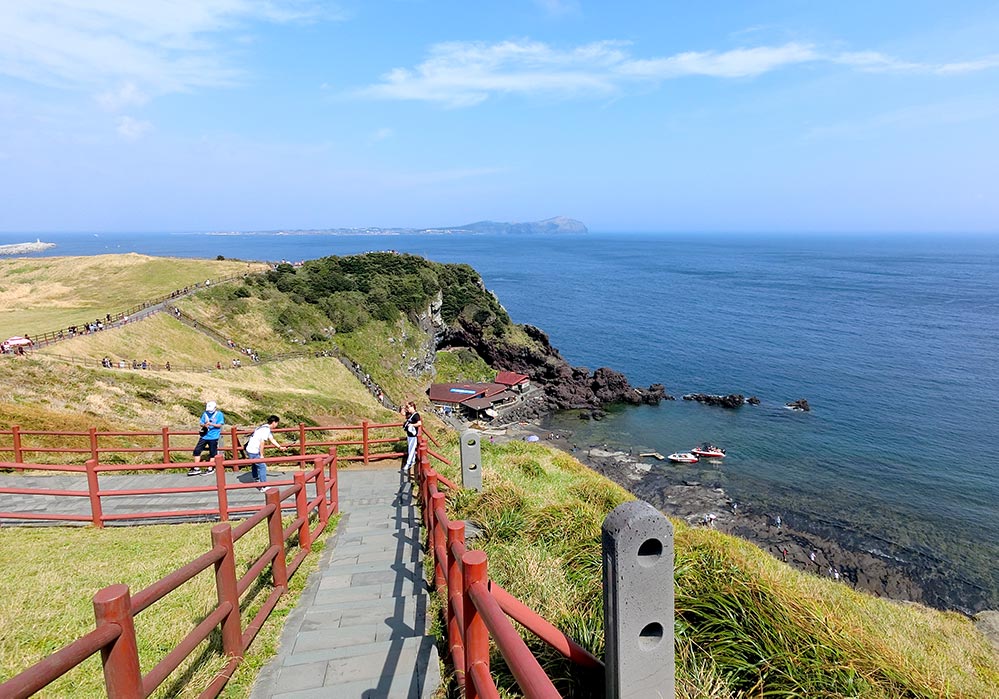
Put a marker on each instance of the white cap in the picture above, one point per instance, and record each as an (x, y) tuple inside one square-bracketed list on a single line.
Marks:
[(210, 406)]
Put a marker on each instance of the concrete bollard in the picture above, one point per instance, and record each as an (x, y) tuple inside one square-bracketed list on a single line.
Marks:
[(638, 603), (471, 460)]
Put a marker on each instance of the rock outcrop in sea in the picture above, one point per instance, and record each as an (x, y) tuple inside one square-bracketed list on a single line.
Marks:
[(733, 400), (565, 386)]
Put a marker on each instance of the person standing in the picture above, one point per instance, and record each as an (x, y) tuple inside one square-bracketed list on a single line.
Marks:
[(211, 430), (411, 427), (255, 449)]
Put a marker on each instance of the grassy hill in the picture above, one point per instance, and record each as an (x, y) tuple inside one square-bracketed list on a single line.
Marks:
[(49, 293), (747, 625)]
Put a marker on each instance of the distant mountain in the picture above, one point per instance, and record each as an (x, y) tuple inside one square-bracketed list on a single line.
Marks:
[(559, 224)]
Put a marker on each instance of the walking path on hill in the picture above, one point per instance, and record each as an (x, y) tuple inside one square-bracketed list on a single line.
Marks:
[(360, 628)]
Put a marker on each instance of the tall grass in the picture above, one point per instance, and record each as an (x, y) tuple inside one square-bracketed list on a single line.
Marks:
[(746, 624)]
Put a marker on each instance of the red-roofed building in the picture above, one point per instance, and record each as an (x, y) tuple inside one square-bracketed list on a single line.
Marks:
[(475, 398), (513, 379)]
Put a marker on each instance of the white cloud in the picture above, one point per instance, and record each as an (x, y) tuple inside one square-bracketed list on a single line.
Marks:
[(738, 63), (382, 134), (968, 66), (460, 74), (133, 129), (128, 95), (157, 46)]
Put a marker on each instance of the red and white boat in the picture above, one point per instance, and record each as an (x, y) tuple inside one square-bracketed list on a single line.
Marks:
[(708, 451), (683, 457)]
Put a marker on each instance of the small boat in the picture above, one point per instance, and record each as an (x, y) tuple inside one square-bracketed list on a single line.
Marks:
[(682, 457), (708, 451)]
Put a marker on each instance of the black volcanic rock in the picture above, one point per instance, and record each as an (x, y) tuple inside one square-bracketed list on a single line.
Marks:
[(753, 400), (800, 404), (733, 400), (565, 386)]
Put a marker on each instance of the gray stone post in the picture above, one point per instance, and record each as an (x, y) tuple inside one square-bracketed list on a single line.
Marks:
[(471, 460), (638, 603)]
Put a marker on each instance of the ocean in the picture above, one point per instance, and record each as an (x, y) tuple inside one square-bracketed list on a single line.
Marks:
[(893, 340)]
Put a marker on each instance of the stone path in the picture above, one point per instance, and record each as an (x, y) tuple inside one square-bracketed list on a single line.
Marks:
[(360, 627)]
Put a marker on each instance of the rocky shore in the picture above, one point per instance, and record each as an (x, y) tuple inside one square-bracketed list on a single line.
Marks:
[(803, 544)]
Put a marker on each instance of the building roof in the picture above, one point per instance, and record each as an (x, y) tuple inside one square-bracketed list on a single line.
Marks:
[(464, 393), (455, 392), (511, 378)]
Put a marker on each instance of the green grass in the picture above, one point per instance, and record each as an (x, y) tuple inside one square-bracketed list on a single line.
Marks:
[(58, 570), (746, 624), (462, 365), (50, 293)]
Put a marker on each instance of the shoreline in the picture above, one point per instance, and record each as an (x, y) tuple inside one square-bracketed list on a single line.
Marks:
[(704, 504)]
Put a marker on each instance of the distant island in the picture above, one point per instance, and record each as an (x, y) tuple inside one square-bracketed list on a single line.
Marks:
[(22, 248), (559, 224)]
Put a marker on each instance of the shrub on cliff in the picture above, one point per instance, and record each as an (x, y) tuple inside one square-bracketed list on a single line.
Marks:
[(351, 290)]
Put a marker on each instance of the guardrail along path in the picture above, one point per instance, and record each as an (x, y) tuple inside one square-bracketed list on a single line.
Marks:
[(360, 627)]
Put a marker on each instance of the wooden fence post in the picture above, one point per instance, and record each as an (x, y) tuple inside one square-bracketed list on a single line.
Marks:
[(275, 532), (428, 513), (93, 489), (166, 445), (324, 505), (122, 676), (334, 484), (364, 439), (440, 538), (233, 441), (227, 591), (223, 494), (15, 432), (476, 634), (94, 453), (301, 443), (455, 537), (302, 512)]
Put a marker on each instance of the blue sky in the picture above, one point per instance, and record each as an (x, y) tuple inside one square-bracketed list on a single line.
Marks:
[(784, 116)]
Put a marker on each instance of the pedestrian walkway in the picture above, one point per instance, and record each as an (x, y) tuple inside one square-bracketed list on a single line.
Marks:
[(125, 504), (359, 629)]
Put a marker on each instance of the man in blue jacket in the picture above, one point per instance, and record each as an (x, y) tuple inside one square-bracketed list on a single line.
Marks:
[(211, 430)]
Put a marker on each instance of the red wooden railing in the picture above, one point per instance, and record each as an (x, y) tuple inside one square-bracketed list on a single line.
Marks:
[(22, 444), (308, 440), (478, 609), (115, 609)]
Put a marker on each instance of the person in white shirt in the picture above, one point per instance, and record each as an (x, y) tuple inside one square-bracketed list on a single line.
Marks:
[(255, 447)]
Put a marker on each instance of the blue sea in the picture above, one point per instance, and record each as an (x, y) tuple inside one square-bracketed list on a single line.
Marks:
[(893, 340)]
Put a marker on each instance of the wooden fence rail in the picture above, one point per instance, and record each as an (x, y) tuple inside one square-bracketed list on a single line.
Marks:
[(21, 444), (115, 608), (478, 610)]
